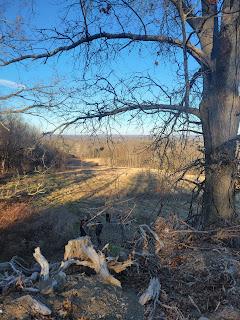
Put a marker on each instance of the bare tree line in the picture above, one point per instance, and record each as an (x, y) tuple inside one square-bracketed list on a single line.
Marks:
[(138, 152), (23, 150)]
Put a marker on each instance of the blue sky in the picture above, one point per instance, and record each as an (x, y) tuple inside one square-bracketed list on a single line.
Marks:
[(45, 14)]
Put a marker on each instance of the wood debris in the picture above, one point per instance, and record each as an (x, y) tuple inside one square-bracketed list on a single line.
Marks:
[(33, 305), (43, 263), (152, 292), (81, 252)]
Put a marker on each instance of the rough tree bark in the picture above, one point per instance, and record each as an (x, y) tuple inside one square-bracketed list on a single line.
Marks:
[(220, 111)]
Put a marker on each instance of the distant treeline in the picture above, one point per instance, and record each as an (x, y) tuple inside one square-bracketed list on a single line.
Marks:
[(23, 150), (137, 151)]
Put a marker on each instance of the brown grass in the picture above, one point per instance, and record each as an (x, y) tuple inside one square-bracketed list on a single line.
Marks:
[(13, 213), (51, 217)]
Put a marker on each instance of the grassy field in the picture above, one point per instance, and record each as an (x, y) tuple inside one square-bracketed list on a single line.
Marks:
[(45, 209)]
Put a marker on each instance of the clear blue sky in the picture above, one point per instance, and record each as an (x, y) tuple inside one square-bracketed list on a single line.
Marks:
[(45, 14)]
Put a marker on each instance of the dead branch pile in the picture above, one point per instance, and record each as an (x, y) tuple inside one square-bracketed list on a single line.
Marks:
[(199, 271), (180, 273), (46, 278)]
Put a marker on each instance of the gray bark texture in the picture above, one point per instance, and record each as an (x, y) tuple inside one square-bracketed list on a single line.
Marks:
[(220, 110)]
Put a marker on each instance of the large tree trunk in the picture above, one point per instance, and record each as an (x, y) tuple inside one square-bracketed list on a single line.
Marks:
[(218, 198), (220, 122), (220, 119), (220, 128)]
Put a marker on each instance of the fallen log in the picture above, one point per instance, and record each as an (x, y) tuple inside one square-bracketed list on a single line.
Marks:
[(48, 278)]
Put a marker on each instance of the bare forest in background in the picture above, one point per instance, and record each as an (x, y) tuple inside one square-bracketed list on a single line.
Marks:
[(139, 152), (24, 150)]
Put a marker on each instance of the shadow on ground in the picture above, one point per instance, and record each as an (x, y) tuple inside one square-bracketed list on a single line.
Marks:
[(25, 225)]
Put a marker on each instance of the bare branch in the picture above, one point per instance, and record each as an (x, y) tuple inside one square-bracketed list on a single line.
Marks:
[(135, 12), (193, 20), (130, 107), (196, 53), (185, 56), (11, 95)]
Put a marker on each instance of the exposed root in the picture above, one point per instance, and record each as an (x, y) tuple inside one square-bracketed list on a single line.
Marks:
[(152, 292), (81, 249), (15, 276), (43, 263)]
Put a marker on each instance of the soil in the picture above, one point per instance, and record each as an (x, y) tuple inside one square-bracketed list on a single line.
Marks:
[(82, 298)]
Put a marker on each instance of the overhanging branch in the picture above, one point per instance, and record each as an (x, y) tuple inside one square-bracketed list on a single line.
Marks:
[(194, 51), (131, 107)]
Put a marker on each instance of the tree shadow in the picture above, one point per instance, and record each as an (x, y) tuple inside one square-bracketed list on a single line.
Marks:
[(76, 162), (50, 228)]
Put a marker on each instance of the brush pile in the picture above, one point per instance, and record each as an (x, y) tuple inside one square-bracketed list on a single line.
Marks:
[(178, 273), (199, 271), (46, 291)]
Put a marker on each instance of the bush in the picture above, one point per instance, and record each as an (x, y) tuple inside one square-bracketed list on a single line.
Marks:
[(23, 150)]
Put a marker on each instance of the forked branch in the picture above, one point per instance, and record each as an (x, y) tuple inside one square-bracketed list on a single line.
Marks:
[(194, 51), (131, 107)]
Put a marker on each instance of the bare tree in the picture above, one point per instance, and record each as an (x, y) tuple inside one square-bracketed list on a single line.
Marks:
[(200, 33)]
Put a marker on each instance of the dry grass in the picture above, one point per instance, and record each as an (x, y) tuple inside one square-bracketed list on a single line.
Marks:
[(49, 206), (12, 213)]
